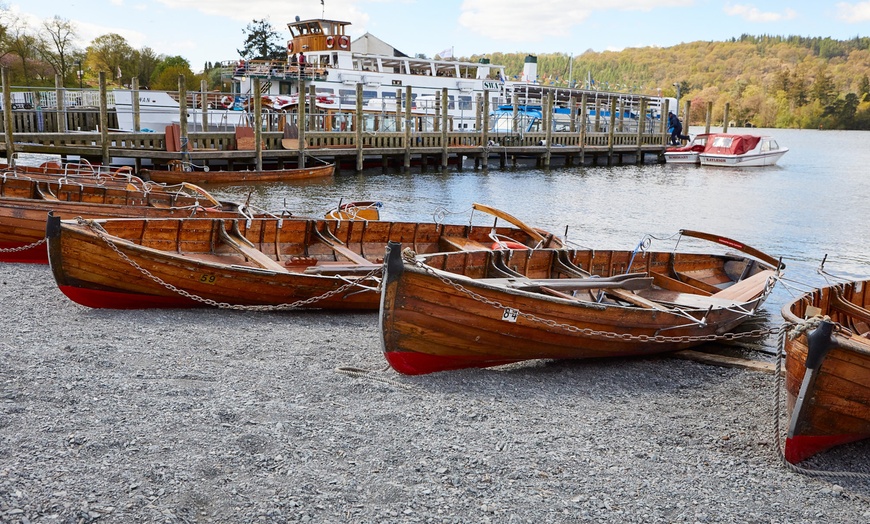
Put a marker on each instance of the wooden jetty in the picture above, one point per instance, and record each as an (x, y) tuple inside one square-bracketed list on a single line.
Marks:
[(607, 142)]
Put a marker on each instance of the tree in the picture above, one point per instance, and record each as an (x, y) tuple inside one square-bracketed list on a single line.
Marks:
[(262, 42), (147, 62), (864, 86), (21, 42), (167, 79), (57, 44), (110, 53), (823, 88)]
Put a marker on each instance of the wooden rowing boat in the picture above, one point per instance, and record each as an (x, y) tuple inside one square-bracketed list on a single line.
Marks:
[(208, 177), (26, 202), (827, 371), (480, 309), (78, 172), (264, 261)]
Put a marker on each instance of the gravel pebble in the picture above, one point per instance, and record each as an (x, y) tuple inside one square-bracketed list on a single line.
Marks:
[(234, 416)]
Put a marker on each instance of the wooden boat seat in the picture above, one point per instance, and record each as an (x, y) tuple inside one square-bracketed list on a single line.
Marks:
[(690, 300), (463, 244), (747, 288), (256, 256)]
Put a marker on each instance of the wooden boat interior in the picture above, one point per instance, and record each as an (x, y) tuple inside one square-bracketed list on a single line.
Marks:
[(847, 304), (657, 280), (314, 246), (181, 196)]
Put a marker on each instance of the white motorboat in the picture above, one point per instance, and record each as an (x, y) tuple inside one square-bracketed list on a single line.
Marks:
[(689, 153), (733, 150)]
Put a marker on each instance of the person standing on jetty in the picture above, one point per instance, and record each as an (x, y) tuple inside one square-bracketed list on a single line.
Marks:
[(676, 128)]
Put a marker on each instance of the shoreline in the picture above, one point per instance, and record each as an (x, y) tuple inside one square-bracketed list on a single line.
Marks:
[(206, 415)]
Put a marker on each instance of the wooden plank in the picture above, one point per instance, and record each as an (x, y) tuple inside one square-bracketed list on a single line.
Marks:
[(746, 289), (253, 254), (464, 244), (725, 361)]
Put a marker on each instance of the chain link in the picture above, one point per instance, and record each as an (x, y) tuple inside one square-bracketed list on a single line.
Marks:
[(23, 248), (588, 332), (299, 304)]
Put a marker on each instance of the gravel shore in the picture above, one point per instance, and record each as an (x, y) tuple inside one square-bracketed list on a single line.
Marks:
[(232, 416)]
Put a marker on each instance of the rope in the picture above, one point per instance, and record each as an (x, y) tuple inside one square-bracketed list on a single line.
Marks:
[(792, 331), (368, 374)]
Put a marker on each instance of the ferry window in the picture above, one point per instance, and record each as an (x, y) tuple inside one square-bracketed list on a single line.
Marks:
[(348, 96), (368, 95), (451, 104), (465, 102), (325, 91)]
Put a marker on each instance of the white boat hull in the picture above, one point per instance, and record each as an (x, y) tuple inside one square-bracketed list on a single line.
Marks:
[(747, 160), (682, 157)]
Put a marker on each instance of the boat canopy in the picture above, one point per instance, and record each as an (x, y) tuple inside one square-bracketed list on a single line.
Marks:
[(732, 144)]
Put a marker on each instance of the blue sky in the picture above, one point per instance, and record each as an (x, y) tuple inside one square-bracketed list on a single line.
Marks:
[(202, 30)]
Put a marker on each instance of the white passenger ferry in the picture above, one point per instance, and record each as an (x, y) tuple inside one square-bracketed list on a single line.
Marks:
[(321, 54)]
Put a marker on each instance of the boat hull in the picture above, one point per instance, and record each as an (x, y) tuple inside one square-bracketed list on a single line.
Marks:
[(239, 177), (23, 213), (683, 157), (147, 263), (748, 160), (828, 386), (435, 321)]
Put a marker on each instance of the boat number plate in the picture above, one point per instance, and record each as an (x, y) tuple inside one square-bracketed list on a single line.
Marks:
[(207, 279), (510, 315)]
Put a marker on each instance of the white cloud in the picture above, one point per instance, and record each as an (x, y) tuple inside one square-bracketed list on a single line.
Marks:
[(853, 13), (277, 13), (517, 21), (750, 13)]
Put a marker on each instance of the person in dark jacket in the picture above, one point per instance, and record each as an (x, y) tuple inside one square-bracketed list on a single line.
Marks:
[(676, 129)]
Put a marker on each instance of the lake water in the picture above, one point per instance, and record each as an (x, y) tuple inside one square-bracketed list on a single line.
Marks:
[(813, 203)]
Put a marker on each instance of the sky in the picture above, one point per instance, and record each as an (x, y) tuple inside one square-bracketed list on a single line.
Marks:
[(212, 30)]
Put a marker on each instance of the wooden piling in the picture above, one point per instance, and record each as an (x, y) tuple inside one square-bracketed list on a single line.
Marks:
[(7, 115), (584, 118), (725, 117), (709, 116), (408, 124), (258, 126), (610, 131), (641, 124), (445, 127), (104, 120), (358, 127), (203, 93), (548, 134), (59, 91), (134, 95)]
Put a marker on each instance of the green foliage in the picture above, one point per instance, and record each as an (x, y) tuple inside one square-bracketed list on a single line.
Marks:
[(262, 42), (781, 81)]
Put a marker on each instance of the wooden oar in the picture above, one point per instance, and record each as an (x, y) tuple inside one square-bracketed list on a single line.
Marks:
[(498, 213), (725, 241)]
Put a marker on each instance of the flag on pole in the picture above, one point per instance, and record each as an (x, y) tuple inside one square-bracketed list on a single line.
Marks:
[(447, 53)]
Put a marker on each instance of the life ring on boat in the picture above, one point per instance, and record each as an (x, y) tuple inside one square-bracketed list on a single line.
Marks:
[(227, 101), (508, 245), (344, 41), (290, 47), (330, 41)]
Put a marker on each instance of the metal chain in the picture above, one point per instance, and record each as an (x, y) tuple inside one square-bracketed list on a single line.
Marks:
[(793, 330), (23, 248), (225, 305), (608, 335)]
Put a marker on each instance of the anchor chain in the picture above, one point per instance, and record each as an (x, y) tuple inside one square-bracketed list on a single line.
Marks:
[(371, 275), (23, 248), (595, 333)]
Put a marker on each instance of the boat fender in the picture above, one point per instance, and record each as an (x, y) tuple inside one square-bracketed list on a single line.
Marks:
[(508, 245), (330, 41), (227, 101), (344, 41)]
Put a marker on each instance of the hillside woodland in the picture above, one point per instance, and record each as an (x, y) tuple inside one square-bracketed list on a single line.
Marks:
[(768, 81)]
